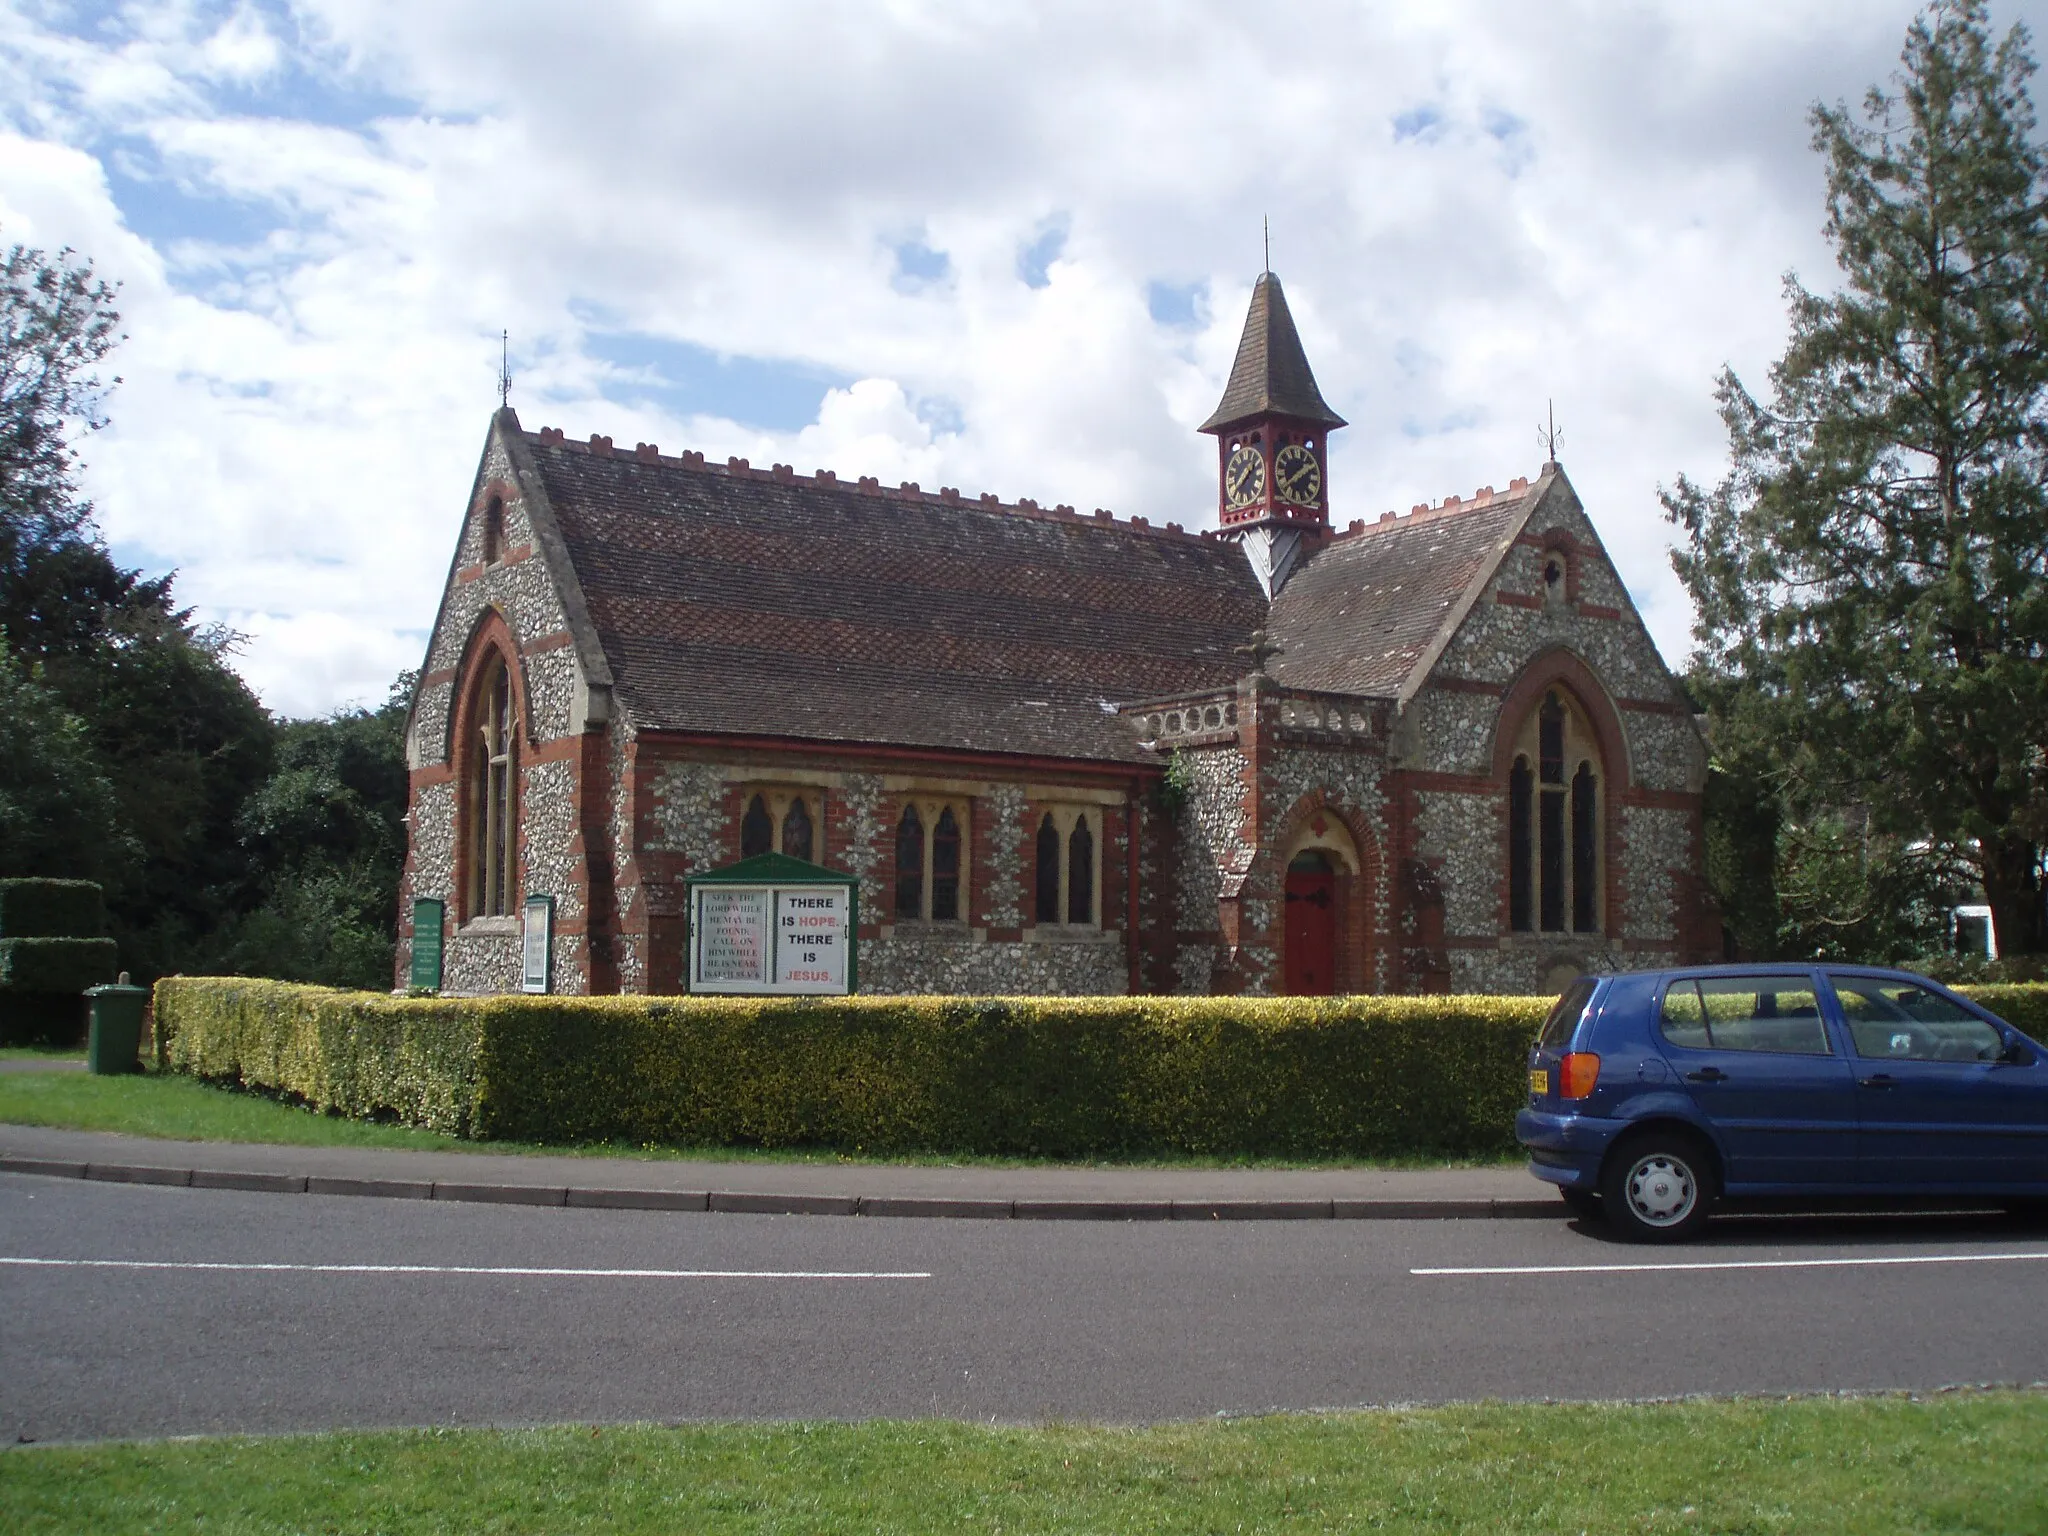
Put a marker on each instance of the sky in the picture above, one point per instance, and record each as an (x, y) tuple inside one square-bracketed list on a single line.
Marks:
[(1003, 247)]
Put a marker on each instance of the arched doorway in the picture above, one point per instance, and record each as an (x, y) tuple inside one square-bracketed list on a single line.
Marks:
[(1311, 938)]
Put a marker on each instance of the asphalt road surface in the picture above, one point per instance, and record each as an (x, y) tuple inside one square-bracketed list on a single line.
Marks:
[(176, 1311)]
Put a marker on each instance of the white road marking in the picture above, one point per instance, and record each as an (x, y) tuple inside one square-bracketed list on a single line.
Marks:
[(481, 1269), (1867, 1262)]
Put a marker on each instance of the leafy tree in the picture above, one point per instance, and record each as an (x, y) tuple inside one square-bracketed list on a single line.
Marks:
[(1869, 578), (327, 828), (58, 814), (59, 588)]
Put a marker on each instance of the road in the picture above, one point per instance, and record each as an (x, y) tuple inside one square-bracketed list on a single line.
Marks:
[(261, 1312)]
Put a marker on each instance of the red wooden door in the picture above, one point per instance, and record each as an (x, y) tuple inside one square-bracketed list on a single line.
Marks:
[(1311, 966)]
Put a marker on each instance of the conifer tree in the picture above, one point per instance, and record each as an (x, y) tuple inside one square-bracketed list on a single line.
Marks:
[(1870, 580)]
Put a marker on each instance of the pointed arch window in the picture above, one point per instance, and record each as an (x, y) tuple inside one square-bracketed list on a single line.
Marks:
[(1048, 905), (785, 819), (1081, 873), (757, 830), (492, 888), (796, 830), (1066, 888), (1554, 823), (932, 861), (494, 531), (910, 865)]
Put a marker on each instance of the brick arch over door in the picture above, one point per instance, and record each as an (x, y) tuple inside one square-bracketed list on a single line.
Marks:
[(1564, 670), (1359, 894), (490, 640)]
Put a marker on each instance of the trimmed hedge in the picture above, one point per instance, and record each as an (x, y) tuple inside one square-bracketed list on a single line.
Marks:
[(1054, 1077), (1049, 1077), (51, 909), (56, 965)]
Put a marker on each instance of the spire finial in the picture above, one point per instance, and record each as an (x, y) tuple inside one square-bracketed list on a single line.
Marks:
[(1549, 434), (1266, 240), (504, 369)]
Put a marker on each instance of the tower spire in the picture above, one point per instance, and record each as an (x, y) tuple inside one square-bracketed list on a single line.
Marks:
[(1271, 375), (1272, 427)]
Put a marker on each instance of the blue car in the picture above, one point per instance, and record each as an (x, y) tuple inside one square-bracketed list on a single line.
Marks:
[(1654, 1093)]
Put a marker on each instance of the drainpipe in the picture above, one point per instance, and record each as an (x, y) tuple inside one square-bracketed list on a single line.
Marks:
[(1131, 882)]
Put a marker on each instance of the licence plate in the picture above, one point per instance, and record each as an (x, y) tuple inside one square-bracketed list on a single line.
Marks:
[(1539, 1082)]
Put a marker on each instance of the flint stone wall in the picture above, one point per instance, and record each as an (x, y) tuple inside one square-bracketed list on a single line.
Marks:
[(961, 963)]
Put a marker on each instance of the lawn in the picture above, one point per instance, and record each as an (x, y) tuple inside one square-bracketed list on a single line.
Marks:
[(1966, 1462), (175, 1107)]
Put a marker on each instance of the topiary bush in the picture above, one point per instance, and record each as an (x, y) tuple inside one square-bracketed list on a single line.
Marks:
[(51, 950)]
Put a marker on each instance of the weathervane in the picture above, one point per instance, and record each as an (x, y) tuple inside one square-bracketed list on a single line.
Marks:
[(1549, 435), (504, 368)]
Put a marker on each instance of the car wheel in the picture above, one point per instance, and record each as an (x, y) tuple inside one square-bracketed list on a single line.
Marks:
[(1657, 1188), (1582, 1202)]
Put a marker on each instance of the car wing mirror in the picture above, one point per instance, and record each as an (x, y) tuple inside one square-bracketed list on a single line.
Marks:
[(2017, 1053)]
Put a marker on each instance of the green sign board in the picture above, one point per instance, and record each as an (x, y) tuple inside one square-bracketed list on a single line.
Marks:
[(772, 926), (426, 943)]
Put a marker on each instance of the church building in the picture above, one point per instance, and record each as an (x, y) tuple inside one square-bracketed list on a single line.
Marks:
[(1059, 751)]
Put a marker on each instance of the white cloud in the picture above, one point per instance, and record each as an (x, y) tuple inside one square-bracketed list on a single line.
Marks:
[(324, 215)]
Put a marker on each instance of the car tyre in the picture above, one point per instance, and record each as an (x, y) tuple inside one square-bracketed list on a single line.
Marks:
[(1657, 1188), (1582, 1202)]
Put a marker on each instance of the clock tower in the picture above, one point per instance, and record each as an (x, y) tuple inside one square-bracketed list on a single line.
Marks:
[(1272, 432)]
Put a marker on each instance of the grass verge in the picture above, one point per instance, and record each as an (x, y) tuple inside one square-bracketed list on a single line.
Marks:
[(175, 1107), (1964, 1462)]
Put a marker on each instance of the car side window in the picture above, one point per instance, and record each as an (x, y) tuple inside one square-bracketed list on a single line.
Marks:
[(1779, 1014), (1898, 1021), (1684, 1020)]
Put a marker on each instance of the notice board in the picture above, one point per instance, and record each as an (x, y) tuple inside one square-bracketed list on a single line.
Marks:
[(773, 926)]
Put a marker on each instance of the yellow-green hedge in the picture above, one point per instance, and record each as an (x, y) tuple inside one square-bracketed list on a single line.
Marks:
[(1055, 1077), (1059, 1077)]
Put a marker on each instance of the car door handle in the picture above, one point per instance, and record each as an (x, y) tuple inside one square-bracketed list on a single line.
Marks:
[(1707, 1075), (1882, 1080)]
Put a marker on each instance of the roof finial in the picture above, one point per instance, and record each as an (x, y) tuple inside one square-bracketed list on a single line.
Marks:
[(1549, 435), (1260, 651), (504, 369), (1266, 234)]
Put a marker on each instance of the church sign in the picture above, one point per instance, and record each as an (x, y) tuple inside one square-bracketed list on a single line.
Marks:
[(772, 926)]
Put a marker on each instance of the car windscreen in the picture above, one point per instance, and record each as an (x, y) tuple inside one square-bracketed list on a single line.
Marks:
[(1567, 1011)]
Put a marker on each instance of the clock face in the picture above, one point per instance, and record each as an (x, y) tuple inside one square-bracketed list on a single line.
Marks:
[(1297, 476), (1244, 477)]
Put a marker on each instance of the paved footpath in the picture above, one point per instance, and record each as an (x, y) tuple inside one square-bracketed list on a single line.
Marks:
[(810, 1189)]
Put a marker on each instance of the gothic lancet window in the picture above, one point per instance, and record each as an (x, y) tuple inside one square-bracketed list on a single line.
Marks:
[(1048, 871), (782, 818), (931, 862), (796, 831), (946, 868), (1521, 872), (1068, 837), (1081, 874), (1554, 824), (494, 531), (1585, 850), (910, 865), (490, 798), (757, 830)]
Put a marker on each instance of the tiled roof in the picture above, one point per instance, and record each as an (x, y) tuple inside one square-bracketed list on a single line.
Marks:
[(1363, 609), (749, 602), (1271, 374)]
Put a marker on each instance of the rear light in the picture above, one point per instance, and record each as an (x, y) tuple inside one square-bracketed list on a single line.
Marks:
[(1577, 1072)]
